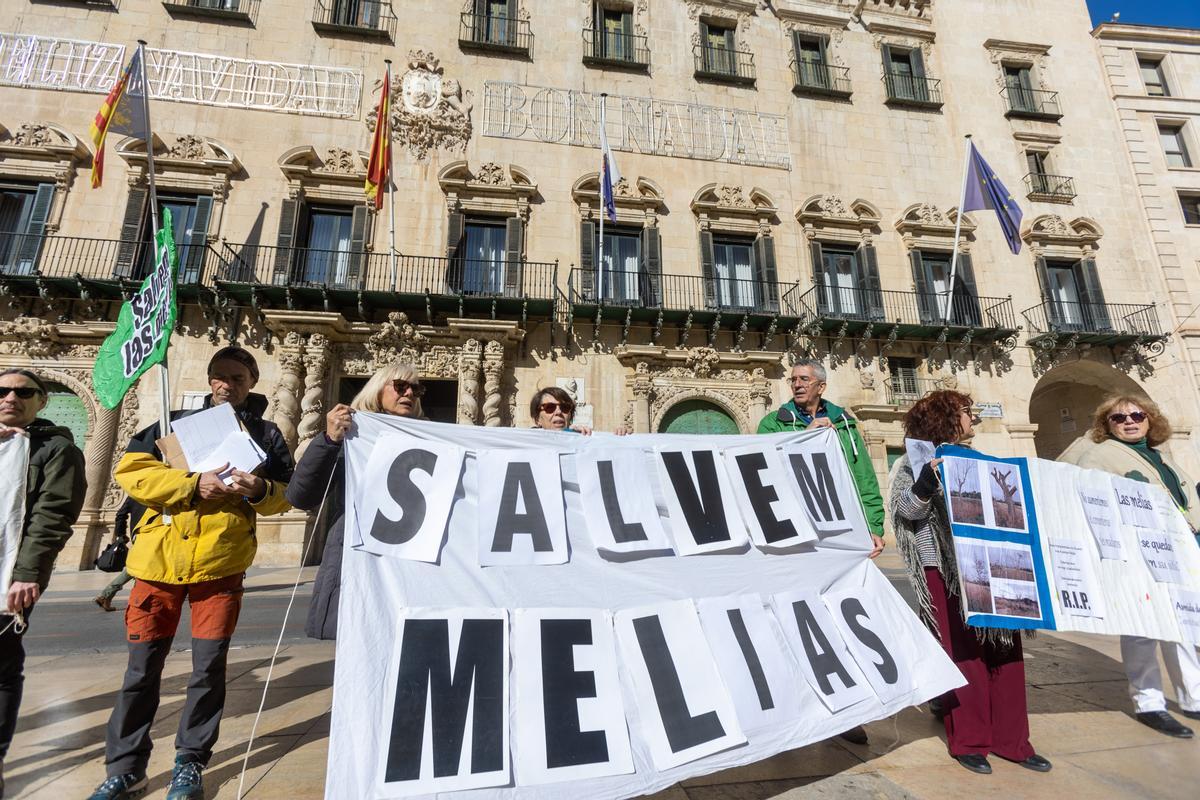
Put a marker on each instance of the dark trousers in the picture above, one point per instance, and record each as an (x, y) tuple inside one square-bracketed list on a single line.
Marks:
[(989, 714), (150, 621), (12, 678)]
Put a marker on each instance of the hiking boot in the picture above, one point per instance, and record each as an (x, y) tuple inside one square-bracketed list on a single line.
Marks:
[(104, 602), (120, 787), (186, 783)]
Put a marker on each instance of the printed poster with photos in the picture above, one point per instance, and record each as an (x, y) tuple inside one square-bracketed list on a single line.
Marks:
[(996, 540)]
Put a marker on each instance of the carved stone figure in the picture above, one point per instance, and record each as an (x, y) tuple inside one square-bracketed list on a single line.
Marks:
[(316, 362), (493, 366), (189, 148), (33, 135), (468, 392), (342, 161), (429, 111)]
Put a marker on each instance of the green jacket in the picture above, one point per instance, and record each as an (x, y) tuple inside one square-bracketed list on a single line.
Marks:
[(54, 489), (853, 446)]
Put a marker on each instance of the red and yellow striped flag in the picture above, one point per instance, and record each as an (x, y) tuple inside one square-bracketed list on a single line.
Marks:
[(119, 113), (380, 165)]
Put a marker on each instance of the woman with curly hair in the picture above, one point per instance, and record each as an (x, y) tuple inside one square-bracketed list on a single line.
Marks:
[(989, 714), (1124, 440)]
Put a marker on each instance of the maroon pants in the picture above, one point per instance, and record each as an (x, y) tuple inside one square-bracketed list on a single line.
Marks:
[(988, 715)]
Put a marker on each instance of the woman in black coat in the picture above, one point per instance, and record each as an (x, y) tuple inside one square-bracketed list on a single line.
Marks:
[(321, 474)]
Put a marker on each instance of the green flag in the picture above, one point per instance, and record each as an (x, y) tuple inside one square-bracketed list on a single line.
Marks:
[(143, 327)]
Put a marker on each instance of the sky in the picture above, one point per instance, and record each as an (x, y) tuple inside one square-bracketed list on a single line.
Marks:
[(1175, 13)]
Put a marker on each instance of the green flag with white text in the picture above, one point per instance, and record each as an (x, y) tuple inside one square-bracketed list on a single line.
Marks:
[(143, 327)]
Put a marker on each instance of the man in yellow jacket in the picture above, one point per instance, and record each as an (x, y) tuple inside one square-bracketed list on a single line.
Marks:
[(195, 539)]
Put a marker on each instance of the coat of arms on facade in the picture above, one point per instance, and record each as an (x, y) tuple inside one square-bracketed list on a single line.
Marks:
[(429, 110)]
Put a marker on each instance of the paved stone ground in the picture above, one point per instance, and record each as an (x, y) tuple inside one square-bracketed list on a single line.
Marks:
[(1079, 714)]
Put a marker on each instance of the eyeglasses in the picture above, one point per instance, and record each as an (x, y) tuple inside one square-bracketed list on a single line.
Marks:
[(402, 387), (801, 379), (550, 408), (975, 419), (1136, 416), (23, 392)]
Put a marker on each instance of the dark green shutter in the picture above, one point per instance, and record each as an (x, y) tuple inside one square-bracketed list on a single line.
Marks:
[(285, 242), (1054, 315), (651, 291), (587, 260), (131, 233), (767, 289), (479, 21), (966, 295), (510, 24), (927, 303), (359, 235), (514, 246), (197, 243), (819, 278), (920, 87), (868, 264), (35, 229), (456, 223), (1095, 312), (708, 269)]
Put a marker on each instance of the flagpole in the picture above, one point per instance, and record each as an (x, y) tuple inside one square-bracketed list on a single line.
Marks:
[(391, 188), (962, 201), (600, 260), (164, 378)]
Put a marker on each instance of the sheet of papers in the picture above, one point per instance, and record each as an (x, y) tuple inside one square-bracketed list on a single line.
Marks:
[(1078, 592), (920, 453), (239, 451), (212, 438)]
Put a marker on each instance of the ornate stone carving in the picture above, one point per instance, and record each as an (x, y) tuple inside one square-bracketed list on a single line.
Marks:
[(30, 336), (702, 361), (312, 406), (468, 387), (285, 402), (697, 9), (492, 174), (429, 111), (342, 161), (32, 134), (493, 367), (130, 419), (189, 148), (733, 197), (396, 340), (641, 380)]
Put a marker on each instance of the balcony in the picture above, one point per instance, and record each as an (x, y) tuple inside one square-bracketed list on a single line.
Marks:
[(1049, 188), (824, 80), (102, 4), (912, 90), (724, 65), (912, 315), (232, 10), (904, 390), (612, 49), (373, 19), (495, 32), (1053, 321), (1031, 104)]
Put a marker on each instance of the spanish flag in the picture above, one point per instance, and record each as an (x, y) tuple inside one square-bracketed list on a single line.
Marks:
[(379, 168), (124, 111)]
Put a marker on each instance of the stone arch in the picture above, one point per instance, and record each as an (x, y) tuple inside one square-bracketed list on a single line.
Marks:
[(1064, 399), (80, 387), (719, 399)]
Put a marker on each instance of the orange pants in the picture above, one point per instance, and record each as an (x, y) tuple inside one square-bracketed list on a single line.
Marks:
[(154, 609)]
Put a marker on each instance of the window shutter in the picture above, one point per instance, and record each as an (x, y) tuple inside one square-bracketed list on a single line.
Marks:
[(708, 269), (1095, 311), (587, 260), (360, 224), (651, 291), (868, 264), (514, 246), (920, 87), (819, 278), (1050, 303), (886, 50), (197, 244), (926, 302), (131, 233), (767, 291), (966, 295), (31, 242), (456, 224), (285, 241), (510, 24)]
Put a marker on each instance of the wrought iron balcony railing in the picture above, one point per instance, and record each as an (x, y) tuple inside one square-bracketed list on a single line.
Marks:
[(630, 289), (102, 4), (1096, 323), (821, 79), (373, 18), (723, 64), (611, 48), (913, 90), (495, 32), (77, 257), (1049, 188), (904, 390), (919, 314), (236, 10), (1031, 103)]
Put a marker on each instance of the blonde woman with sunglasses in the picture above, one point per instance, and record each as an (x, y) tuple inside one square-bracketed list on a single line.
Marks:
[(395, 389), (1125, 438)]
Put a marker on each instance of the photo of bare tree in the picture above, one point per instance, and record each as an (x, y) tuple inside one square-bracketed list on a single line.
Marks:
[(1011, 563), (1017, 599), (977, 582), (966, 498), (1008, 500)]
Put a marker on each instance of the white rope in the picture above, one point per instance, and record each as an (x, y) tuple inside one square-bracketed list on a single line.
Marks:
[(279, 643), (18, 624)]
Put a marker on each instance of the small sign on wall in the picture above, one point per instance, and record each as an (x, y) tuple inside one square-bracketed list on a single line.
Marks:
[(990, 410)]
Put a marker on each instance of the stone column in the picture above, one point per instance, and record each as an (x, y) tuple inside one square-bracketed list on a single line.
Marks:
[(493, 366), (1022, 438), (468, 382), (98, 460), (641, 398), (760, 398), (286, 399), (312, 406)]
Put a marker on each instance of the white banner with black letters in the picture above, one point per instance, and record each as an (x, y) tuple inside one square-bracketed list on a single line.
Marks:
[(529, 614)]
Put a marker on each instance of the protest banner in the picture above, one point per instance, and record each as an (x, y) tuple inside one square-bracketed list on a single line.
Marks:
[(14, 465), (532, 614), (1044, 544)]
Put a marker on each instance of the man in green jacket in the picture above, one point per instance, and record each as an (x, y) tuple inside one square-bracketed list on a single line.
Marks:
[(54, 488)]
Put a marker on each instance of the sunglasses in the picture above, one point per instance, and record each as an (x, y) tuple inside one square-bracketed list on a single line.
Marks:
[(1136, 416), (402, 387), (23, 392), (550, 408)]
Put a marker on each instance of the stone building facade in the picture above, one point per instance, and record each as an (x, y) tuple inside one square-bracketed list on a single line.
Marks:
[(791, 172)]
